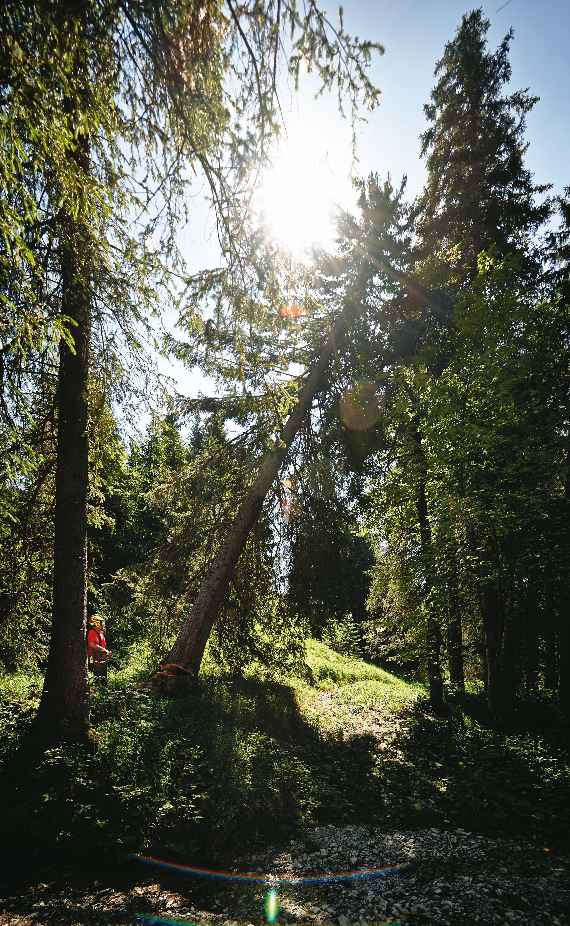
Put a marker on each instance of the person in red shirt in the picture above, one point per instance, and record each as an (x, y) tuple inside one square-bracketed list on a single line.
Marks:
[(98, 655)]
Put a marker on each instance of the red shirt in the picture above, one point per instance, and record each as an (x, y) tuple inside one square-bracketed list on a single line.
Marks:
[(95, 638)]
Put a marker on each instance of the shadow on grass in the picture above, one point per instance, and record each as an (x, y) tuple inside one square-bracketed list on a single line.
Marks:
[(225, 769), (233, 766), (459, 773)]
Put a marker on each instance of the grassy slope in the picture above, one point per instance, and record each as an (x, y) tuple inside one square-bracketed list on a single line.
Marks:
[(253, 760)]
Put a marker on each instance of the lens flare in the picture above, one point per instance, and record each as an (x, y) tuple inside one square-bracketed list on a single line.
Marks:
[(292, 311), (271, 906), (326, 877), (271, 902), (358, 408)]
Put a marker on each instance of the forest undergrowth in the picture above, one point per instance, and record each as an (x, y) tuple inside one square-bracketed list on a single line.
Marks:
[(242, 763)]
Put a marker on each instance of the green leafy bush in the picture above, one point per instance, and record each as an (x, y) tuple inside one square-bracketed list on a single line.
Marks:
[(344, 635)]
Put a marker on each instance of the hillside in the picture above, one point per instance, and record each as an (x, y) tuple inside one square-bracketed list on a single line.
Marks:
[(341, 767)]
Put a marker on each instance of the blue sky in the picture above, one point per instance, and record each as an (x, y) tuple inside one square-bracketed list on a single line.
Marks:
[(414, 33)]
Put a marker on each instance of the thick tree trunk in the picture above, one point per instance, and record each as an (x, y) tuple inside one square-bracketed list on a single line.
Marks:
[(433, 632), (188, 650), (64, 708), (455, 632)]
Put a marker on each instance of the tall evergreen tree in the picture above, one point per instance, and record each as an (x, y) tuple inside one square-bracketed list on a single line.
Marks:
[(559, 245), (478, 195)]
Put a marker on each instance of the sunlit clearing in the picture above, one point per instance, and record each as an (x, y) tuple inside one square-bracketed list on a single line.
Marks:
[(299, 196)]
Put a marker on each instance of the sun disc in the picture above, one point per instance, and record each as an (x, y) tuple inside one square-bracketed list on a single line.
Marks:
[(299, 195)]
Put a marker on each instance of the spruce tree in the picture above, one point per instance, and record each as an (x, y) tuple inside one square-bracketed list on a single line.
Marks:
[(479, 197), (479, 194), (559, 246)]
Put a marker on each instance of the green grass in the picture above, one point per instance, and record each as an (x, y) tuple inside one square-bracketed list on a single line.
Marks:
[(20, 687), (330, 669), (19, 698), (360, 682), (342, 685), (132, 666)]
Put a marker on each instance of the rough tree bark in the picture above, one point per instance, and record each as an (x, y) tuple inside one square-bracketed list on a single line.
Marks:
[(64, 707)]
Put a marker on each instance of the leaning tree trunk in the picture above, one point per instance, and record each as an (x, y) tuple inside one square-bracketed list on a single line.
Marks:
[(186, 655), (188, 650), (433, 632), (64, 707)]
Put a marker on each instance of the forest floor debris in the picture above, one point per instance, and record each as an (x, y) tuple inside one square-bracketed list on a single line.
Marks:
[(457, 878)]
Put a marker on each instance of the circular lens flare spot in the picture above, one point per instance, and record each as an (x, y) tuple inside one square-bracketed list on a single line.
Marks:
[(359, 408), (292, 311)]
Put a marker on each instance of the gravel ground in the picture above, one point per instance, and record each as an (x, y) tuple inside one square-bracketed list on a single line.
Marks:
[(458, 878)]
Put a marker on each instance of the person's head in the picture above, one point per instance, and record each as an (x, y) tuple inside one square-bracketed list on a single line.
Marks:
[(96, 622)]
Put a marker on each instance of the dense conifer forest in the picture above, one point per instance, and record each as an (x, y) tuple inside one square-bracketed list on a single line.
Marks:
[(316, 616)]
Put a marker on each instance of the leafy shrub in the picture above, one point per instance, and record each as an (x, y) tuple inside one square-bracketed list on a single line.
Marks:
[(344, 635)]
